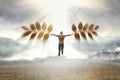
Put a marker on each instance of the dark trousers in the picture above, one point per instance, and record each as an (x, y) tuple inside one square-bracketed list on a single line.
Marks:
[(60, 47)]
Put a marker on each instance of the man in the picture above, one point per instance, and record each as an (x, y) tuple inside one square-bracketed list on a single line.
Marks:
[(61, 38)]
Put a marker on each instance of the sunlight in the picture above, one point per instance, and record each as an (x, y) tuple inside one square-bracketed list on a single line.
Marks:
[(61, 14), (58, 12), (54, 5)]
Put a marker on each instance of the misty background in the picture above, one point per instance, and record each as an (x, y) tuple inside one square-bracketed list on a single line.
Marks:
[(15, 13)]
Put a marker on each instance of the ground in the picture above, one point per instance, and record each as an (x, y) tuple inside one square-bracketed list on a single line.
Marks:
[(61, 69)]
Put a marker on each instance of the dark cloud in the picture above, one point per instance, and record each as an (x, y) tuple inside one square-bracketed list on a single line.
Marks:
[(14, 10), (109, 16), (103, 44), (113, 14), (9, 47)]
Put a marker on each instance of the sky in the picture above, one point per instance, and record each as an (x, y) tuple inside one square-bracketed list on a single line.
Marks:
[(61, 14)]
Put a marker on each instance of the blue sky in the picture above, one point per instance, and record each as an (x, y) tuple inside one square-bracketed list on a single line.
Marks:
[(61, 14)]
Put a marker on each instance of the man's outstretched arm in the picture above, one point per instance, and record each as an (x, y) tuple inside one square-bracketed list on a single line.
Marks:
[(54, 35), (69, 35)]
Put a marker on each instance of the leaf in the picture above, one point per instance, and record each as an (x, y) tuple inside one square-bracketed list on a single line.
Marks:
[(96, 28), (50, 28), (83, 35), (77, 36), (90, 35), (44, 25), (74, 28), (24, 28), (38, 26), (85, 27), (91, 26), (26, 33), (33, 35), (94, 33), (40, 35), (32, 26), (80, 26), (46, 36)]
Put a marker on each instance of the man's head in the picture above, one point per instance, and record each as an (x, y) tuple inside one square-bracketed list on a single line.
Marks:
[(61, 32)]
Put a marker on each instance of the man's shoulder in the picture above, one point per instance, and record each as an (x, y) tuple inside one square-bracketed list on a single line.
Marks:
[(62, 35)]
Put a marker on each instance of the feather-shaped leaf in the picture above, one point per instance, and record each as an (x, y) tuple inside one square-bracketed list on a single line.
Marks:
[(44, 25), (46, 36), (50, 28), (32, 26), (90, 35), (80, 26), (96, 28), (94, 33), (85, 27), (24, 28), (38, 26), (26, 33), (77, 36), (40, 35), (91, 26), (33, 35), (74, 28), (83, 35)]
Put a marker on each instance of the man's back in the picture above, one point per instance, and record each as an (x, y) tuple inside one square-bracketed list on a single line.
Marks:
[(61, 39)]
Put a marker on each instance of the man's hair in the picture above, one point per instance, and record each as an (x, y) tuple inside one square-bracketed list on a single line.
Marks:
[(61, 32)]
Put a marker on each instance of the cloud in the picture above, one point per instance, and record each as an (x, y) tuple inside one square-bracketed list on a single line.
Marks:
[(15, 10), (9, 47), (107, 17), (102, 44), (117, 49)]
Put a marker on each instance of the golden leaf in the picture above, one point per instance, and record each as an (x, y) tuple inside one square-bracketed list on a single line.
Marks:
[(46, 36), (24, 28), (96, 28), (44, 25), (85, 27), (83, 35), (50, 28), (90, 35), (94, 33), (74, 28), (38, 26), (33, 35), (26, 33), (80, 26), (32, 26), (40, 35), (77, 36), (91, 26)]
